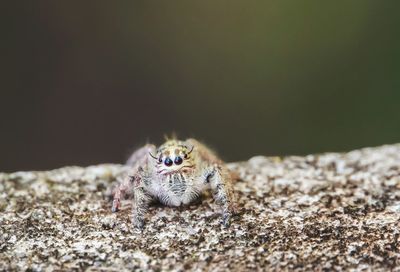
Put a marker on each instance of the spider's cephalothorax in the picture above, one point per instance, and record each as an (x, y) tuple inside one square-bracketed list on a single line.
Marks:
[(175, 174), (173, 157)]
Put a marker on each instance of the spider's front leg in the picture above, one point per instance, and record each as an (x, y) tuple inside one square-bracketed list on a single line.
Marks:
[(138, 159), (220, 181), (141, 198)]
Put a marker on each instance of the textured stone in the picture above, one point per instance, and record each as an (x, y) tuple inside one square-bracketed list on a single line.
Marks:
[(329, 211)]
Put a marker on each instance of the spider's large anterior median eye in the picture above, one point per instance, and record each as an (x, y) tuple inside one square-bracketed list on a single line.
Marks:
[(168, 162), (178, 160)]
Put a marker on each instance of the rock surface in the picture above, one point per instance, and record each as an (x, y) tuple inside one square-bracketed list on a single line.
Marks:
[(329, 211)]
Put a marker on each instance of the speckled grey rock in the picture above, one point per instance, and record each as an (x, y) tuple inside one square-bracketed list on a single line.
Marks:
[(322, 212)]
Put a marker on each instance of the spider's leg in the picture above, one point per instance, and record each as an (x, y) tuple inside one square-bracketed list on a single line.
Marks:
[(139, 159), (141, 199), (219, 178), (220, 181), (120, 192)]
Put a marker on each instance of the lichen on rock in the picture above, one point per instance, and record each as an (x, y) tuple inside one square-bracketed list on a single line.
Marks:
[(329, 211)]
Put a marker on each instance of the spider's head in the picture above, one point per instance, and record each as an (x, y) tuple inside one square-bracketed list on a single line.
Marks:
[(174, 156)]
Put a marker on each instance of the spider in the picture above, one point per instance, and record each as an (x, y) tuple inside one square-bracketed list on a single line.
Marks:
[(175, 174)]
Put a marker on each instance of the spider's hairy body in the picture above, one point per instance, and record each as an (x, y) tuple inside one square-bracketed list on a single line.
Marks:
[(175, 174)]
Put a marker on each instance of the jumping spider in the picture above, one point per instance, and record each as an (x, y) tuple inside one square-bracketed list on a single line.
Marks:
[(175, 174)]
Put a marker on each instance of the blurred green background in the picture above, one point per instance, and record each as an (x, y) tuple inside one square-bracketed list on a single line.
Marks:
[(85, 82)]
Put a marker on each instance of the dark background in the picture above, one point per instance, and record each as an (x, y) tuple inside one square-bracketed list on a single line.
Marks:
[(85, 82)]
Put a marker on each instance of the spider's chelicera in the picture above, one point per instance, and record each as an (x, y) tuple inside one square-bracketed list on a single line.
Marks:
[(175, 174)]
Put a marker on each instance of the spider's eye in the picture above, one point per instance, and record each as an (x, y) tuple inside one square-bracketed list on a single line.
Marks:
[(160, 160), (168, 162), (185, 156), (178, 160)]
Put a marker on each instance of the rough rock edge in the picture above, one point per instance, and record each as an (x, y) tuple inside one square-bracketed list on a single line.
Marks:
[(329, 211)]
